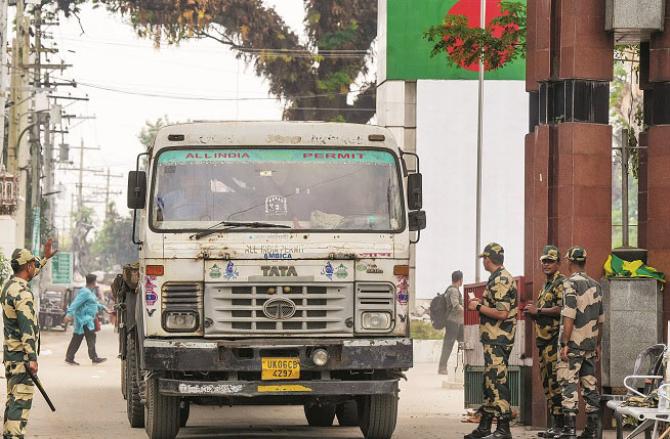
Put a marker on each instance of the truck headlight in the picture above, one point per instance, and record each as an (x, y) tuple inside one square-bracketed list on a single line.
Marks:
[(376, 321), (180, 321)]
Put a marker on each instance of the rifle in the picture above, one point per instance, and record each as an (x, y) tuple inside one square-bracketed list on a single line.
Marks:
[(38, 383)]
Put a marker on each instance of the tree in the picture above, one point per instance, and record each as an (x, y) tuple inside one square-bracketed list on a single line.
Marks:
[(111, 246), (315, 78), (502, 41)]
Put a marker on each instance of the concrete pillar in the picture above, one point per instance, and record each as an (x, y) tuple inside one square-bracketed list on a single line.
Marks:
[(396, 110), (568, 178)]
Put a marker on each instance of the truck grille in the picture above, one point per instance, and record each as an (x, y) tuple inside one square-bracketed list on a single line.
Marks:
[(181, 296), (319, 309)]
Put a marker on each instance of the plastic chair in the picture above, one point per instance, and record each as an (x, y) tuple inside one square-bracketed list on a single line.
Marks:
[(648, 368)]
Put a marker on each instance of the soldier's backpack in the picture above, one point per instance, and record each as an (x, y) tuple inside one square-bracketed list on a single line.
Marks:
[(438, 311)]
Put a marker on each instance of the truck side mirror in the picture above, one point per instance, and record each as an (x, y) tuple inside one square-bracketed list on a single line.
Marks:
[(417, 220), (414, 191), (137, 189)]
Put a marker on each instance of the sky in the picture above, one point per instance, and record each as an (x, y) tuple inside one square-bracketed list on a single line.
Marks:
[(109, 55)]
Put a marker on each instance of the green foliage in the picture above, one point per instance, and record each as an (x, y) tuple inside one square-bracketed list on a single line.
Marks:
[(465, 45), (337, 82), (147, 135), (112, 245), (296, 71), (421, 330)]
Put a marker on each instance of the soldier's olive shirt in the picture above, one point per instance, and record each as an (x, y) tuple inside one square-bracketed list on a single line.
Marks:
[(550, 296), (21, 329), (500, 294), (582, 300)]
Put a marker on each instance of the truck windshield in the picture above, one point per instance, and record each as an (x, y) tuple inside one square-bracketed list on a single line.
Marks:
[(310, 189)]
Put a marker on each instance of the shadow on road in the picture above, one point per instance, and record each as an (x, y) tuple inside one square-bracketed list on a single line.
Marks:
[(269, 432)]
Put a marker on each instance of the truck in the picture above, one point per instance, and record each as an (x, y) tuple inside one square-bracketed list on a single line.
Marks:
[(274, 268)]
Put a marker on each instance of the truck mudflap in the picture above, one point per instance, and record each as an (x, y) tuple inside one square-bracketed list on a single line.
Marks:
[(204, 355), (250, 389)]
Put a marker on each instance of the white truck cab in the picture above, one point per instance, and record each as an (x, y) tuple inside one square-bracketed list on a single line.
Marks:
[(274, 268)]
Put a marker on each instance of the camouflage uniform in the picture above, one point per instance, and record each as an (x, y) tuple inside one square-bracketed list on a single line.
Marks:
[(582, 303), (21, 345), (497, 338), (546, 330)]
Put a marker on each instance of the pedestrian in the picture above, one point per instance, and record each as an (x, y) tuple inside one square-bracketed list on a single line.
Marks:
[(84, 309), (453, 330), (580, 334), (22, 339), (546, 314), (497, 325)]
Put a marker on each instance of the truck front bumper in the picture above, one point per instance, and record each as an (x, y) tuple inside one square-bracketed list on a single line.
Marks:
[(250, 389), (203, 355)]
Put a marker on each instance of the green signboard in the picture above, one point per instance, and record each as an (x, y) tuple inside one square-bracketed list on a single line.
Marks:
[(319, 156), (62, 268), (408, 53)]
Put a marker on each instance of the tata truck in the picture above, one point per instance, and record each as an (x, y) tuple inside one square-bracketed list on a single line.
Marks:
[(274, 269)]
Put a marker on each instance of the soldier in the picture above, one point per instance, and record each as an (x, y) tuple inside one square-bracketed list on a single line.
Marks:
[(580, 333), (22, 336), (497, 325), (546, 314)]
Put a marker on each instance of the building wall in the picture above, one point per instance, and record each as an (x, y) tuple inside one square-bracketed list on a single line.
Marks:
[(447, 143)]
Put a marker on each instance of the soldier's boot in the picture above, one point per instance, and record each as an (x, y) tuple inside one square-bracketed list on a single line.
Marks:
[(592, 427), (555, 431), (569, 430), (502, 430), (484, 428)]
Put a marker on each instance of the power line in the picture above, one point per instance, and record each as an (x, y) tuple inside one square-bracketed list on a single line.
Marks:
[(203, 98), (325, 53)]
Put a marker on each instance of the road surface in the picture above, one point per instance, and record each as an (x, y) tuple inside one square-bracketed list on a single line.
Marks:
[(89, 405)]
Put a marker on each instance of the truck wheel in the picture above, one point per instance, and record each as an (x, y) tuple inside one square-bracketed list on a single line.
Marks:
[(134, 405), (124, 371), (378, 415), (184, 411), (347, 414), (320, 415), (161, 412)]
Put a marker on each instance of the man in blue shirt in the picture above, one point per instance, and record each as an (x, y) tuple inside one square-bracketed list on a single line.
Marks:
[(84, 309)]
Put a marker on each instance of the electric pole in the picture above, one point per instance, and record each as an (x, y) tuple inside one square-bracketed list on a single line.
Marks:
[(18, 156), (3, 68), (109, 192)]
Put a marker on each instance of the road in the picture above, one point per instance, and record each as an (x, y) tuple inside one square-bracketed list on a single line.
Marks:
[(89, 405)]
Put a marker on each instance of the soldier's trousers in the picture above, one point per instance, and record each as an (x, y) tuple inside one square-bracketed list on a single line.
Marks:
[(20, 392), (579, 370), (496, 387), (548, 364)]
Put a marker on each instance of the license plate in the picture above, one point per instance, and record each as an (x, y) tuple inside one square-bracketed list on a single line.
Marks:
[(273, 369)]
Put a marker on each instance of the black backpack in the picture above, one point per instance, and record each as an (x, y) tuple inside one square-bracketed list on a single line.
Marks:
[(438, 311)]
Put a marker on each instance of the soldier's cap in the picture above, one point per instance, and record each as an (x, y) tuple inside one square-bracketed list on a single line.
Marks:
[(550, 253), (493, 251), (576, 254), (21, 256)]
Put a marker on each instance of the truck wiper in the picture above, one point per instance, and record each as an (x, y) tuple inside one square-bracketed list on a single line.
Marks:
[(231, 224)]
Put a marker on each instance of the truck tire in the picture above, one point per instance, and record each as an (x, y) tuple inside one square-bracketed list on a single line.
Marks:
[(184, 412), (161, 413), (378, 415), (124, 390), (134, 406), (347, 414), (319, 415)]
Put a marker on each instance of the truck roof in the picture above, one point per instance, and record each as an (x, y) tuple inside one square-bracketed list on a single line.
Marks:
[(281, 133)]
